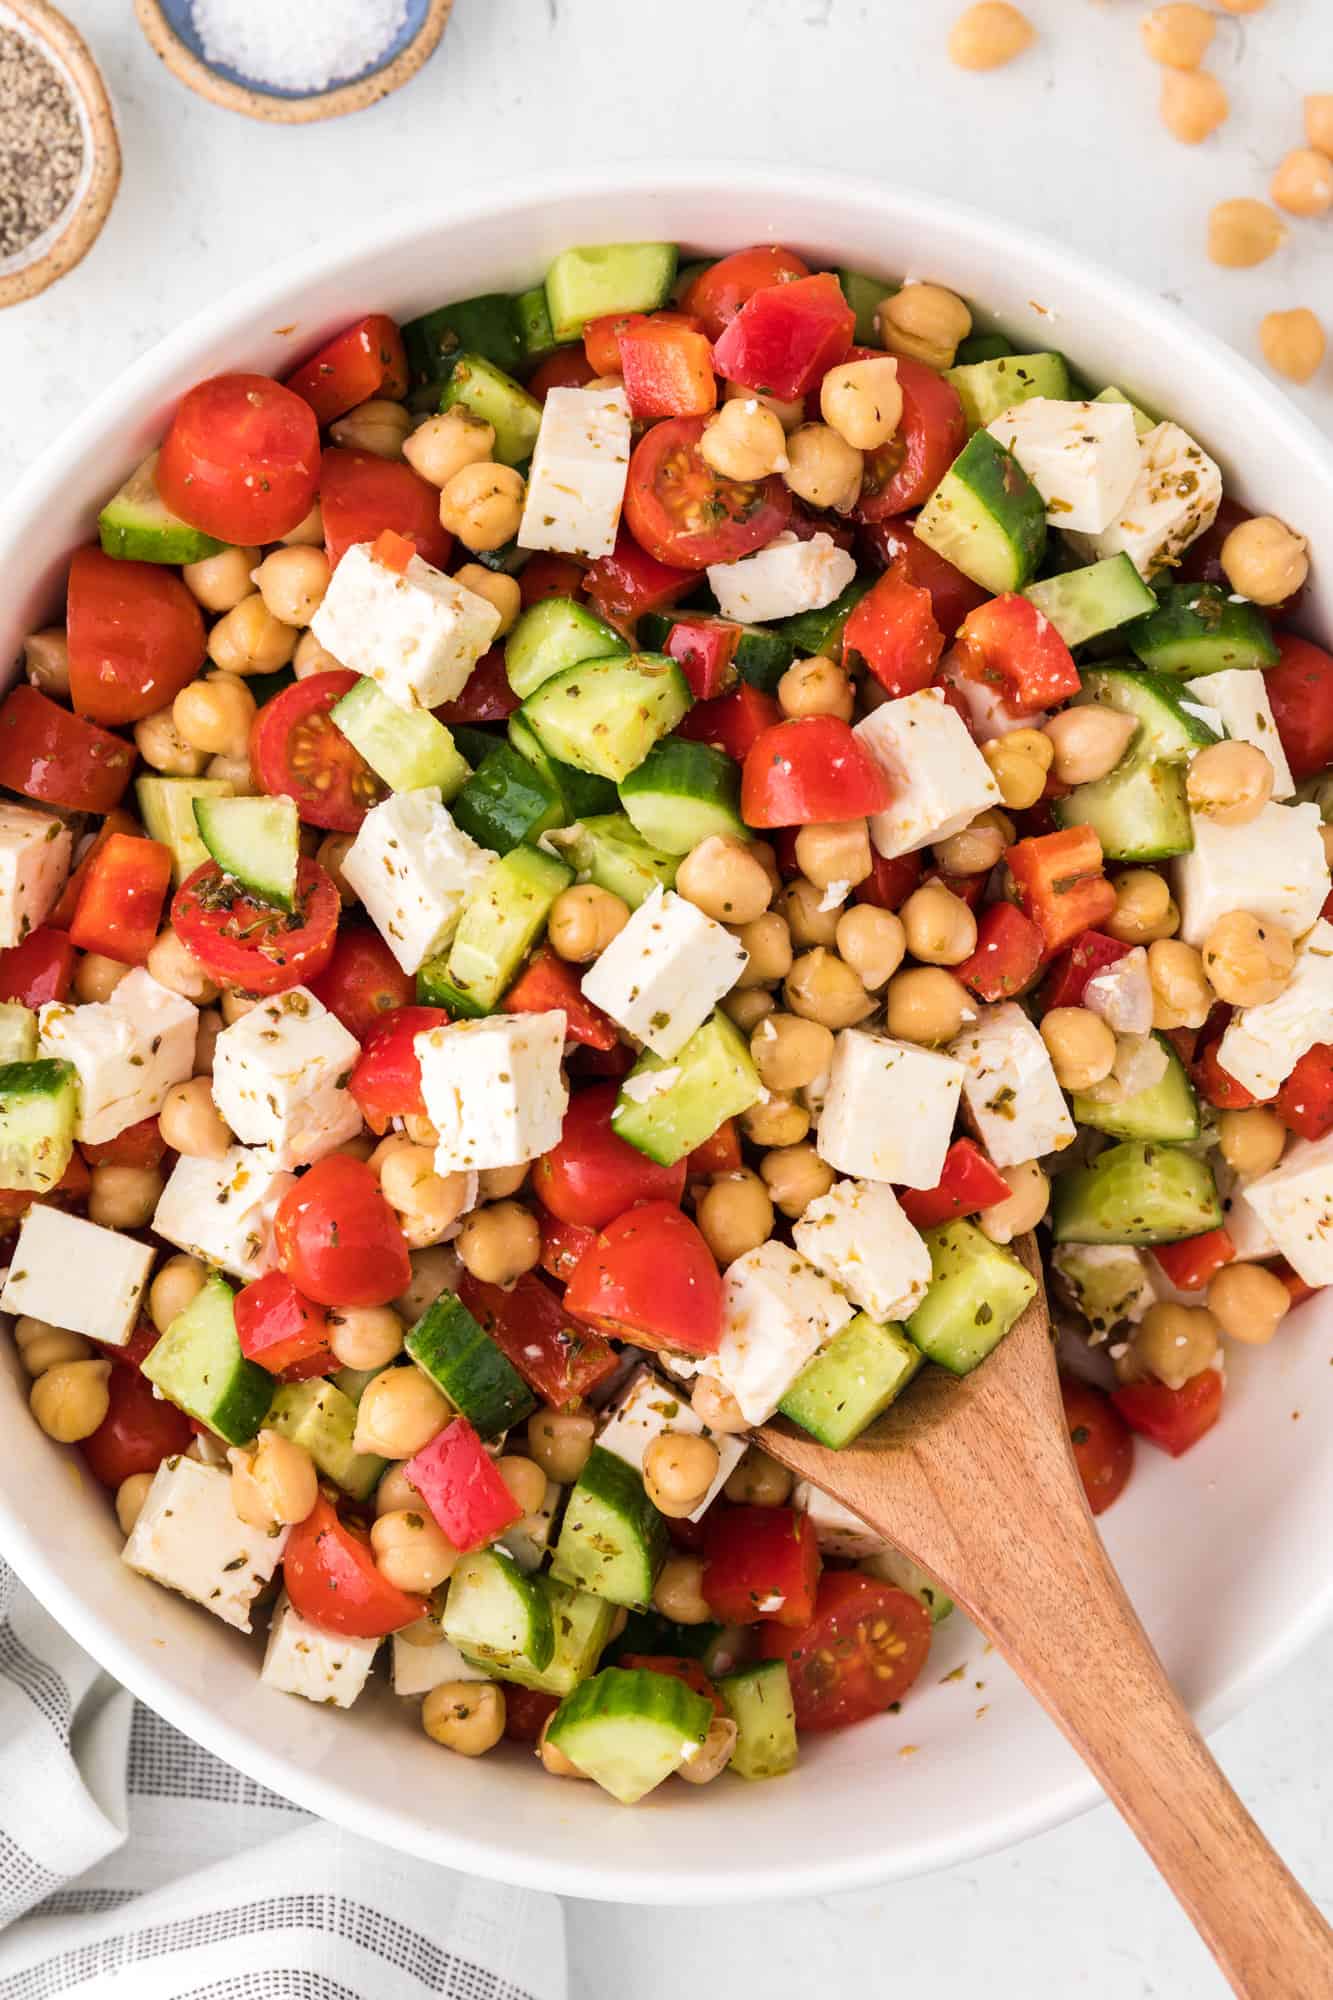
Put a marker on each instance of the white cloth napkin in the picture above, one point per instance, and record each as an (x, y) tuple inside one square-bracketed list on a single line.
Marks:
[(136, 1866)]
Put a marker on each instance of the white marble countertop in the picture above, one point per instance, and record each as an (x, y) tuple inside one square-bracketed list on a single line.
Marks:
[(1067, 141)]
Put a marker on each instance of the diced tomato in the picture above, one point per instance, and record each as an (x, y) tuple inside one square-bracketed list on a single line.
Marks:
[(734, 722), (48, 754), (1212, 1082), (337, 1238), (952, 595), (526, 1712), (360, 495), (668, 368), (1300, 688), (932, 431), (1008, 646), (282, 1330), (363, 981), (252, 945), (891, 880), (1102, 1444), (140, 1145), (1190, 1263), (1008, 953), (548, 982), (386, 1078), (298, 753), (591, 1175), (458, 1482), (487, 695), (894, 633), (687, 1535), (705, 649), (38, 970), (548, 575), (556, 1354), (584, 1061), (1172, 1419), (241, 459), (687, 515), (563, 1243), (1059, 884), (120, 904), (786, 337), (651, 1278), (116, 821), (630, 581), (136, 637), (760, 1562), (364, 360), (857, 1655), (1305, 1101), (689, 1671), (967, 1184), (1300, 1291), (805, 524), (139, 1430), (1068, 976), (567, 368), (812, 768), (718, 293), (332, 1579), (719, 1155)]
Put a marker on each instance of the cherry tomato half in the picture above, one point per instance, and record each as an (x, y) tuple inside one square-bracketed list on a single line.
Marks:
[(362, 361), (812, 768), (361, 495), (363, 981), (687, 515), (650, 1277), (933, 430), (332, 1580), (1103, 1445), (1300, 688), (337, 1238), (295, 750), (386, 1081), (252, 945), (136, 637), (139, 1430), (859, 1654), (592, 1175), (241, 459), (48, 754), (717, 294)]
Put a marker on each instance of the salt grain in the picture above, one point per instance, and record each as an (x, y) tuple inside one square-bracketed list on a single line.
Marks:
[(300, 45)]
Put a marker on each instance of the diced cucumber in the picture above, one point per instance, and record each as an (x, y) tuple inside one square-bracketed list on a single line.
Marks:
[(487, 325), (613, 1541), (863, 295), (609, 851), (821, 631), (535, 332), (555, 634), (1167, 729), (502, 921), (988, 388), (476, 384), (18, 1032), (137, 525), (977, 1291), (1139, 811), (354, 1381), (1143, 423), (199, 1366), (628, 1729), (1167, 1110), (474, 741), (436, 989), (762, 655), (852, 1381), (257, 841), (1108, 1282), (507, 800), (321, 1417), (465, 1364), (1135, 1193), (509, 559), (758, 1700), (529, 1541), (497, 1615), (683, 792), (715, 1647), (39, 1104), (586, 282), (986, 517), (891, 1566), (580, 791), (712, 1078), (581, 1624), (1083, 603), (982, 347), (408, 747), (1198, 628), (166, 807), (605, 715)]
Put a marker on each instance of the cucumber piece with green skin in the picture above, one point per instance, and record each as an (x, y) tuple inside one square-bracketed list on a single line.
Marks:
[(465, 1364), (321, 1418), (1135, 1193), (612, 1541), (474, 741), (1198, 629), (821, 631), (1139, 811), (436, 989), (758, 1699), (496, 1615), (39, 1104), (982, 347), (682, 793), (1167, 729), (713, 1078), (986, 517), (1107, 1282), (553, 635), (487, 325), (136, 525), (1143, 423), (609, 851), (580, 791), (977, 1291), (476, 384), (166, 807), (502, 921), (408, 748), (863, 295), (506, 801), (1168, 1111), (629, 1728), (509, 559), (586, 282), (18, 1033), (604, 716), (355, 1381), (256, 841), (890, 1566), (851, 1381), (198, 1365), (715, 1647), (762, 655), (536, 335), (581, 1625), (1083, 603), (988, 388)]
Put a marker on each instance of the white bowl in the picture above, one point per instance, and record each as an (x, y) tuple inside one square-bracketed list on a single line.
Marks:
[(1225, 1553)]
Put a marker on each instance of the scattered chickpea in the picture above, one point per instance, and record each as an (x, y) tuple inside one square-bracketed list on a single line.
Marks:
[(789, 415), (1175, 1343), (70, 1400), (482, 505), (50, 1346), (1251, 1142), (980, 845), (678, 1470), (330, 854), (823, 469), (795, 1176), (174, 1288), (800, 904), (427, 1202), (500, 1242), (873, 942), (1229, 782), (816, 687), (779, 1121), (759, 1481), (927, 1005), (292, 583), (724, 878), (925, 323), (249, 640), (768, 943), (837, 851), (553, 1758), (679, 1591), (46, 662), (124, 1197), (466, 1716), (1293, 343), (1247, 960), (379, 427), (219, 582), (411, 1551), (214, 715), (1080, 1045), (498, 589), (495, 1183), (789, 1052), (989, 35), (1019, 763), (1181, 996), (96, 978), (308, 532), (939, 927), (734, 1214), (190, 1122), (1178, 35), (1088, 741), (435, 1269), (747, 1006), (584, 920), (399, 1412), (862, 401), (1144, 908), (1303, 183), (561, 1442), (1243, 232), (365, 1336), (235, 1005), (822, 987), (282, 1479), (744, 441), (714, 1754), (442, 446), (312, 658), (173, 964), (1319, 121), (1248, 1302), (1193, 104), (1264, 560), (130, 1497), (164, 749), (1027, 1202)]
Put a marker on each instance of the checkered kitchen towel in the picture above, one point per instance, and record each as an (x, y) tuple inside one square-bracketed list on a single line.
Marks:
[(136, 1866)]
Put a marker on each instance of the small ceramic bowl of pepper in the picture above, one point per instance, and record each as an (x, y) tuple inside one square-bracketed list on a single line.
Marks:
[(59, 155), (211, 49)]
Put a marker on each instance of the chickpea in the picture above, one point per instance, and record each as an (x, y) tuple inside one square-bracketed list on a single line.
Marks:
[(46, 662), (939, 927), (1251, 1142), (816, 687), (1319, 121), (744, 441), (989, 35), (747, 1006), (873, 942), (768, 944), (96, 978), (214, 716), (714, 1754), (925, 323), (679, 1591), (175, 1287), (759, 1481), (163, 748), (190, 1122), (1019, 763), (834, 852), (365, 1336), (1247, 960), (124, 1197), (249, 640), (1181, 995), (1264, 561), (980, 846), (466, 1716), (308, 532), (1293, 343), (220, 582), (50, 1346), (821, 987), (1027, 1202), (1080, 1045), (400, 1411), (927, 1005), (1244, 232), (734, 1214), (789, 1052), (173, 964), (379, 427), (1088, 742), (130, 1497), (443, 446), (312, 658), (795, 1176), (584, 920), (799, 903), (205, 1040), (293, 582), (1303, 183), (789, 415), (823, 469), (499, 590), (723, 878), (561, 1442), (427, 1202), (71, 1400), (1248, 1303), (1175, 1343), (277, 1483), (781, 1121), (678, 1469), (411, 1552), (435, 1269), (359, 1148), (1144, 909), (1178, 34), (862, 401), (331, 854), (483, 505), (552, 1757), (235, 1006), (396, 1491), (1229, 782), (234, 771), (499, 1243), (1193, 104)]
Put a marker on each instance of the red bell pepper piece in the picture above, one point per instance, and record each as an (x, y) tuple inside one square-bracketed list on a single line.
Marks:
[(554, 1352), (719, 1155), (1190, 1263), (393, 551), (952, 595), (1212, 1082), (48, 754), (548, 981), (734, 722), (487, 695), (1305, 1101), (891, 880), (601, 340), (362, 361), (967, 1184), (38, 970), (760, 1562), (282, 1330), (140, 1145), (120, 904), (667, 364), (811, 769), (331, 1576), (705, 650), (459, 1484), (1007, 644), (386, 1077), (894, 633), (116, 821), (1173, 1419), (567, 368), (969, 889), (786, 337), (1297, 1286), (628, 582), (651, 1278), (1059, 884), (1007, 955), (563, 1243), (1068, 975)]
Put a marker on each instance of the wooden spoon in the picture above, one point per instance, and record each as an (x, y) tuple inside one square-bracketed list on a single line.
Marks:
[(975, 1479)]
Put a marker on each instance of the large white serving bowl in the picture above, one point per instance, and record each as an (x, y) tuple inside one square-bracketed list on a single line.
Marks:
[(1225, 1553)]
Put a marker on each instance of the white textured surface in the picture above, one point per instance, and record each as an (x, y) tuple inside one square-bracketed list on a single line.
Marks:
[(209, 198)]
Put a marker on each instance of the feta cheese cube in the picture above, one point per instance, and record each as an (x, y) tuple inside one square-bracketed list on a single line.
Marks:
[(777, 1312), (417, 1669), (663, 975), (839, 1532), (280, 1078), (1016, 1107), (858, 1236), (222, 1210), (416, 633), (128, 1051), (34, 861), (494, 1089), (1240, 698), (190, 1538), (414, 870), (1174, 500), (1262, 1045), (1273, 866), (1083, 458), (940, 779), (890, 1110), (786, 577), (77, 1274), (576, 481), (304, 1659), (1294, 1203), (643, 1409), (1239, 1217)]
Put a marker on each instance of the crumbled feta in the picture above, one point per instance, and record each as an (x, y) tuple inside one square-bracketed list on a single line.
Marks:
[(1083, 458), (663, 975), (940, 779), (1273, 866), (644, 1408), (128, 1052), (304, 1659), (787, 577), (1174, 500), (889, 1111), (417, 1669), (494, 1089), (834, 897), (280, 1076), (777, 1312), (1239, 697), (576, 481), (34, 861), (416, 633), (77, 1275), (1122, 994), (189, 1537), (414, 870), (1294, 1203), (1262, 1045), (858, 1236), (222, 1210), (651, 1083), (1016, 1107)]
